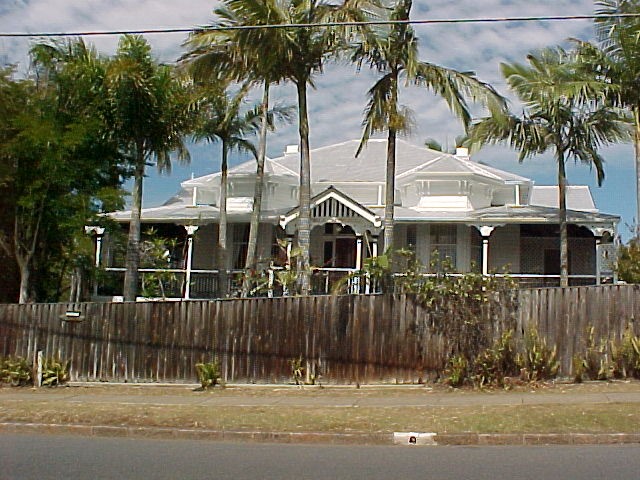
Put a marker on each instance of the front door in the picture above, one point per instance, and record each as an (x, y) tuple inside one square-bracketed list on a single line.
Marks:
[(339, 246)]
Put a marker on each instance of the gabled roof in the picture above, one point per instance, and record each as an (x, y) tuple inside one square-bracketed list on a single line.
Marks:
[(245, 168), (447, 163), (325, 198)]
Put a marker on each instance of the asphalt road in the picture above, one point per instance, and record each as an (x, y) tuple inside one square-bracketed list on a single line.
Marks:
[(25, 457)]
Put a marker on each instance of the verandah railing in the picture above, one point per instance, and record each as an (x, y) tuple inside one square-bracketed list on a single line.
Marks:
[(171, 283)]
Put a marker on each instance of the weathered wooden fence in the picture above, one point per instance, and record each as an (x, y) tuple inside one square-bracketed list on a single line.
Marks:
[(347, 339), (563, 315)]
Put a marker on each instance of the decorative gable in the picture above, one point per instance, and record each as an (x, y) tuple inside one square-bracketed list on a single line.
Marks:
[(333, 206)]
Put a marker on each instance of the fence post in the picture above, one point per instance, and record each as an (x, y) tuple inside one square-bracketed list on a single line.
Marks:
[(38, 368)]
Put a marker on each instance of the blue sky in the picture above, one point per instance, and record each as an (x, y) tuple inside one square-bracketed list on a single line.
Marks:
[(337, 103)]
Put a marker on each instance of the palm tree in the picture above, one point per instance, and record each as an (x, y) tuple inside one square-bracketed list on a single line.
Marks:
[(563, 112), (240, 55), (392, 50), (297, 53), (617, 61), (148, 109), (221, 120)]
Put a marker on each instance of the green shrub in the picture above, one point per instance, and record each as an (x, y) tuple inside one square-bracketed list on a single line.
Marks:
[(297, 370), (625, 356), (209, 374), (457, 371), (15, 371), (55, 372), (538, 361), (495, 363), (594, 361), (577, 364)]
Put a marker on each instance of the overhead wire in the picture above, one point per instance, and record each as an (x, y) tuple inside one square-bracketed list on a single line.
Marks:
[(151, 31)]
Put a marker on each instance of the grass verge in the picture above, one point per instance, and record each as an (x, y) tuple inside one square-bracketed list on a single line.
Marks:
[(551, 417)]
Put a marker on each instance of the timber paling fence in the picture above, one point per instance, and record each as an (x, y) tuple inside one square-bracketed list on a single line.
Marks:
[(345, 339)]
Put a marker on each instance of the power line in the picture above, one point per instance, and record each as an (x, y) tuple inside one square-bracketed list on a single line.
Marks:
[(327, 24)]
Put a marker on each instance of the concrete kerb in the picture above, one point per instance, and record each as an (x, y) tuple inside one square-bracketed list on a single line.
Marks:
[(452, 439)]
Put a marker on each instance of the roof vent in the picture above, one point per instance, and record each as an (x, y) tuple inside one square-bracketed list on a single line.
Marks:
[(291, 149), (462, 152)]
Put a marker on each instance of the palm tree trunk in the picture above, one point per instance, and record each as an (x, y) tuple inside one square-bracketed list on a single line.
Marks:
[(564, 238), (390, 181), (223, 279), (304, 193), (250, 262), (132, 263), (390, 189), (636, 144)]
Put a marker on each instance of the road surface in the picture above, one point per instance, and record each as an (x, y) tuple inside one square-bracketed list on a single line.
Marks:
[(25, 457)]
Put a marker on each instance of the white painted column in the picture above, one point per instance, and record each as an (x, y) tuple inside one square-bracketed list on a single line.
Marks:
[(191, 230), (485, 232), (598, 260), (355, 287), (99, 233), (374, 246), (289, 247)]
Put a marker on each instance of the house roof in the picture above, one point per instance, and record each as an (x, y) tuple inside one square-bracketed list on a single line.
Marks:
[(337, 164), (245, 168), (330, 163), (506, 214), (578, 197), (452, 164), (174, 212)]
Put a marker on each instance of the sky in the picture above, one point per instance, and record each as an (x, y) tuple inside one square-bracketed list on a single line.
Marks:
[(337, 102)]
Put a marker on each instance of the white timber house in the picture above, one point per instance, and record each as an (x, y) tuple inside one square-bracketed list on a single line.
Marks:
[(476, 215)]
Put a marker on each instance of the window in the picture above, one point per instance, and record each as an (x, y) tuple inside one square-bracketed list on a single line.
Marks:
[(443, 240)]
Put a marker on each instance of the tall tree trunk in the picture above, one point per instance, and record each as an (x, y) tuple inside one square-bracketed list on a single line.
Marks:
[(636, 144), (564, 238), (131, 274), (390, 181), (250, 262), (304, 192), (223, 277)]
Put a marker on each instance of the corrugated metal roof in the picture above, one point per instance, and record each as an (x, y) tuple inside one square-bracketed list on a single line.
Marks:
[(506, 213), (578, 197)]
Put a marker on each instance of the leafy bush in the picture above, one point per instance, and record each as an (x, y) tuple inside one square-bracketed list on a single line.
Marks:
[(209, 374), (55, 372), (593, 364), (628, 262), (15, 371), (538, 361), (297, 370), (497, 362), (625, 356), (457, 371)]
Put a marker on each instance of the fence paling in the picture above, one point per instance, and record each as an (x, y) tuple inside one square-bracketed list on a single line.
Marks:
[(345, 339)]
